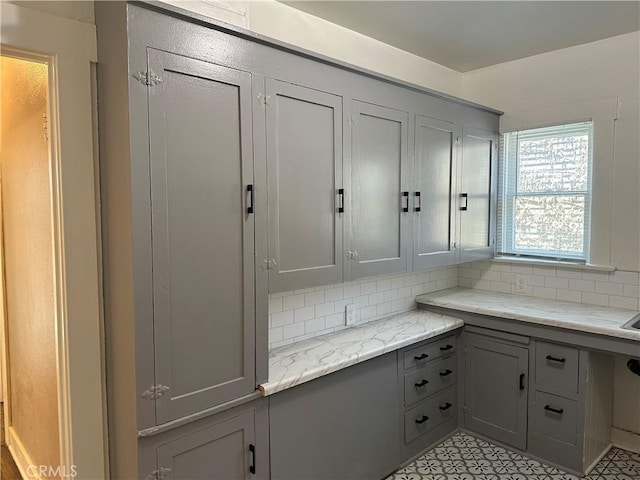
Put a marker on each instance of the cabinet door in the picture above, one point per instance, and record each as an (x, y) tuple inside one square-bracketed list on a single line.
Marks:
[(200, 131), (223, 451), (434, 197), (380, 197), (477, 192), (496, 390), (304, 164)]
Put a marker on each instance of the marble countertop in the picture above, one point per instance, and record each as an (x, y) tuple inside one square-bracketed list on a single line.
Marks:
[(573, 316), (301, 362)]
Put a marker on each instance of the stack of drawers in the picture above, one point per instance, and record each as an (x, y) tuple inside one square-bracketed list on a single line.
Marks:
[(429, 374), (570, 405)]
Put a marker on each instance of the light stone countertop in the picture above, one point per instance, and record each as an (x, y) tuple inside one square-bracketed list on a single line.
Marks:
[(301, 362), (572, 316)]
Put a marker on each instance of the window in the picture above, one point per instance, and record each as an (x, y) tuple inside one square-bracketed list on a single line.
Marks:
[(546, 192)]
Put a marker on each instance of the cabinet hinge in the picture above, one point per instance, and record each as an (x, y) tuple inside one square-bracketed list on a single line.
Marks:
[(148, 78), (457, 140), (264, 100), (466, 409), (353, 121), (154, 392), (352, 255), (159, 474), (268, 264)]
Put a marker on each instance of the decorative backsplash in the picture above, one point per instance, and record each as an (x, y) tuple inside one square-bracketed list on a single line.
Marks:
[(300, 314), (619, 289)]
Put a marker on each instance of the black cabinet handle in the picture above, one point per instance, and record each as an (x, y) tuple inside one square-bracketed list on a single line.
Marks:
[(522, 381), (422, 383), (445, 373), (465, 198), (559, 411), (405, 200), (448, 347), (252, 463), (341, 204), (446, 406), (422, 420), (556, 359), (250, 200), (421, 357), (418, 202)]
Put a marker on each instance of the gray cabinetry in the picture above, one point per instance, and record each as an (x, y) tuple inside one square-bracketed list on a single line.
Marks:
[(496, 378), (341, 426), (379, 190), (429, 393), (232, 445), (304, 161), (477, 194), (201, 164), (434, 207)]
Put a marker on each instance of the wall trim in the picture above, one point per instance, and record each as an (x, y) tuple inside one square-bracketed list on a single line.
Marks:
[(625, 439), (20, 456)]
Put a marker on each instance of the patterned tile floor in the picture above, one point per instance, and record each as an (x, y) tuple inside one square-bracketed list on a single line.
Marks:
[(463, 457)]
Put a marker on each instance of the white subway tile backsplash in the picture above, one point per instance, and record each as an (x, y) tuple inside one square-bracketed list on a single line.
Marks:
[(631, 291), (293, 302), (555, 282), (582, 285), (568, 295), (629, 303), (544, 292), (608, 288), (630, 278), (306, 313), (500, 287), (544, 271), (535, 280), (569, 273), (490, 275), (595, 299)]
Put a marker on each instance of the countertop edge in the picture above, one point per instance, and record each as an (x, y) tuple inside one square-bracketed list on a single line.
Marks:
[(269, 388)]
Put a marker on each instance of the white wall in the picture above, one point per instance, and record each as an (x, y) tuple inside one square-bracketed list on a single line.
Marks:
[(284, 23), (582, 78)]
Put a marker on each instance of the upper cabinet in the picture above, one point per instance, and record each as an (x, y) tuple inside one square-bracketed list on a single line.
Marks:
[(379, 190), (202, 230), (305, 192), (477, 201), (434, 192)]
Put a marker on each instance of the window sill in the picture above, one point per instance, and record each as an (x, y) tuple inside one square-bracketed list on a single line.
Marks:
[(555, 263)]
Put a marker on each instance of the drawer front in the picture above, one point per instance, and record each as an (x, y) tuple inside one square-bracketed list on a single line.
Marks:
[(557, 367), (429, 414), (432, 351), (556, 417), (430, 379)]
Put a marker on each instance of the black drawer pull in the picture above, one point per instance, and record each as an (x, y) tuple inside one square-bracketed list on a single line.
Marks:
[(418, 202), (445, 373), (556, 359), (559, 411), (405, 201), (341, 203), (422, 383), (448, 347), (446, 406), (522, 381), (422, 420), (421, 357), (252, 464)]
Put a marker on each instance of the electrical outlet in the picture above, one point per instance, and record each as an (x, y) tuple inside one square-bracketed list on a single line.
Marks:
[(350, 314), (521, 284)]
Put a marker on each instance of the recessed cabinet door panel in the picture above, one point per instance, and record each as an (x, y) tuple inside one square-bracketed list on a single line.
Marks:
[(304, 158), (218, 452), (477, 195), (379, 164), (203, 262), (496, 390), (433, 206)]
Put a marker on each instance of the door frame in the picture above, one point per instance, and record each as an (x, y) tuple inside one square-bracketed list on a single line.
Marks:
[(69, 48)]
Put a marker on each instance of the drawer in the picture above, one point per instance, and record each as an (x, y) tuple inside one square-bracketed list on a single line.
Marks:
[(432, 351), (557, 367), (429, 414), (555, 417), (430, 379)]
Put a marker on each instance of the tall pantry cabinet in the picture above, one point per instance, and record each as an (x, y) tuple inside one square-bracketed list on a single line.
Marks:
[(233, 167)]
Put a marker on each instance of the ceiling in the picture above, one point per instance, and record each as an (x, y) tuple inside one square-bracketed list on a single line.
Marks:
[(469, 35)]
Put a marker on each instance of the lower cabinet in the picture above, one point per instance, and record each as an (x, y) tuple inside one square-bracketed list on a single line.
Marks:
[(496, 381), (340, 426), (230, 445)]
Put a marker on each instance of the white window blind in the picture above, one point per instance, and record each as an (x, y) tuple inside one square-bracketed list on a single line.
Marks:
[(546, 192)]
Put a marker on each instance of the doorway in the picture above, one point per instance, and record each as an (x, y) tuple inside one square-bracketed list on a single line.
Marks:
[(31, 386)]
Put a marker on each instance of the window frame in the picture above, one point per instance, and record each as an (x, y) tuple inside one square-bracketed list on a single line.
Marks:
[(509, 191)]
